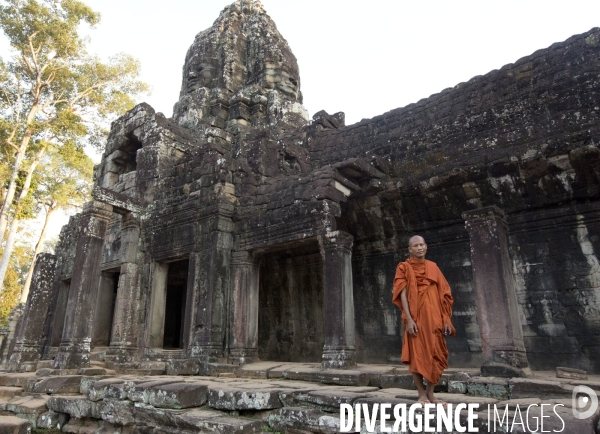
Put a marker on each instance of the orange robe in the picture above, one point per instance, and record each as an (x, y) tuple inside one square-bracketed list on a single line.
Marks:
[(430, 303)]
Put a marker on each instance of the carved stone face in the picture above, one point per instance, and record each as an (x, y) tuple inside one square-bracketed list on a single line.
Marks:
[(200, 74), (288, 84)]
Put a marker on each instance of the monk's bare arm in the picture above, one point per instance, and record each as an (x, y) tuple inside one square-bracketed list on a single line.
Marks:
[(411, 326)]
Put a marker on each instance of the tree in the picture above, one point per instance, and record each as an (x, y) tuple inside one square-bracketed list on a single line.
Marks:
[(65, 181), (53, 92)]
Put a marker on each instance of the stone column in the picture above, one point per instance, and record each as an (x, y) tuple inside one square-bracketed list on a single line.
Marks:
[(245, 275), (127, 318), (497, 311), (74, 350), (211, 274), (30, 336), (339, 351)]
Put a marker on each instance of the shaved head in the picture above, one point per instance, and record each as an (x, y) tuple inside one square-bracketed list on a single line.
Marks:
[(414, 239)]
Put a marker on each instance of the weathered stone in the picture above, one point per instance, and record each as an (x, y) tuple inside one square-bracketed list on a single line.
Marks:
[(404, 381), (98, 389), (141, 392), (14, 425), (525, 387), (10, 392), (574, 374), (28, 347), (224, 398), (16, 380), (457, 387), (53, 385), (34, 405), (182, 367), (490, 387), (296, 417), (51, 420), (178, 395), (329, 400)]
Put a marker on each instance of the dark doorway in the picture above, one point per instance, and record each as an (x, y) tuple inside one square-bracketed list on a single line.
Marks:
[(291, 316), (105, 308), (175, 304)]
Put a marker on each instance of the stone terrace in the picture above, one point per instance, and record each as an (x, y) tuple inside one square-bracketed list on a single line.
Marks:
[(263, 397)]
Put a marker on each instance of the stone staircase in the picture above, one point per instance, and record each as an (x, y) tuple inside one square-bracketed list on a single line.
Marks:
[(259, 398)]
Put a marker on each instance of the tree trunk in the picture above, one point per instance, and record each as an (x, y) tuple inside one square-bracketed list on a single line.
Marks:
[(10, 241), (15, 223), (10, 194), (38, 249)]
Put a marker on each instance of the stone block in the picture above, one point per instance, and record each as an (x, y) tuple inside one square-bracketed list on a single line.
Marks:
[(10, 392), (344, 377), (573, 374), (544, 389), (141, 392), (178, 395), (210, 421), (183, 367), (225, 398), (51, 420), (74, 406), (14, 425), (295, 418), (457, 387), (34, 405), (329, 400), (403, 381), (53, 385), (16, 380), (490, 387)]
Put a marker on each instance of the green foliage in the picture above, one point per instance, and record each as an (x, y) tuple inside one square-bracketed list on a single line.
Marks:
[(53, 92), (13, 282), (64, 178)]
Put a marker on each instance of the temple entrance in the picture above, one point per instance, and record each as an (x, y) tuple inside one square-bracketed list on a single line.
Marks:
[(169, 294), (175, 304), (105, 308), (290, 316)]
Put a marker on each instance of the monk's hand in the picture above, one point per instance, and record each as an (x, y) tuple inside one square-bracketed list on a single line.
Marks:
[(447, 330), (411, 327)]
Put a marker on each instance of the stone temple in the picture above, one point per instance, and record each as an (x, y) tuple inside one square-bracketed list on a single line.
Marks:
[(240, 230)]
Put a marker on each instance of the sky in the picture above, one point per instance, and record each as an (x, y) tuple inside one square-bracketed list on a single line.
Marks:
[(360, 57)]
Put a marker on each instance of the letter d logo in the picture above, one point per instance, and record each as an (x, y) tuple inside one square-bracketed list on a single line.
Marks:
[(581, 402)]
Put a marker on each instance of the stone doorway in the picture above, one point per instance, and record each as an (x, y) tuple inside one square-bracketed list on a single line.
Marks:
[(105, 308), (169, 295), (175, 304), (291, 323)]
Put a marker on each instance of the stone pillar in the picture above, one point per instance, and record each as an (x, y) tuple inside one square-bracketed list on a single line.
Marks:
[(497, 311), (124, 344), (30, 336), (211, 274), (74, 350), (339, 351), (245, 275), (10, 334)]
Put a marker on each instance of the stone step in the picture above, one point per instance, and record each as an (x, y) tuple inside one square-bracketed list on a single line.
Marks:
[(54, 385), (10, 391), (16, 379), (14, 425)]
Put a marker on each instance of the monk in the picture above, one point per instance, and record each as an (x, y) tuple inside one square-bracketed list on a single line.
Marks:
[(423, 295)]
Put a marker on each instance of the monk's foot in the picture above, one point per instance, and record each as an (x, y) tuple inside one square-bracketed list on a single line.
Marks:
[(423, 399), (435, 400)]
